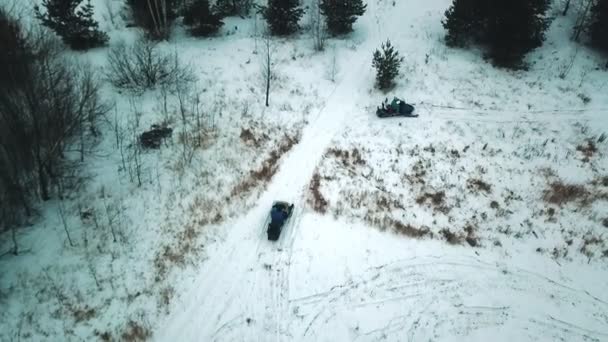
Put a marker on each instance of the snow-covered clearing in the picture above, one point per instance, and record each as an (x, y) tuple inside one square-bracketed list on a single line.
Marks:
[(483, 219)]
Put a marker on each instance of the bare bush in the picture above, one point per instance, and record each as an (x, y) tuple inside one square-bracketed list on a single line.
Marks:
[(143, 66)]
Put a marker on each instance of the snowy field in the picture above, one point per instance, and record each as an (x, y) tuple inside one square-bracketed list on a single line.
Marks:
[(485, 218)]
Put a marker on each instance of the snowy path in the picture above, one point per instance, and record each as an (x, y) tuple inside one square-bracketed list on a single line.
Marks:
[(249, 280)]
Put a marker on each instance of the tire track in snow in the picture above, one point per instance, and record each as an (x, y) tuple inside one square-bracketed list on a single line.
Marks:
[(430, 304)]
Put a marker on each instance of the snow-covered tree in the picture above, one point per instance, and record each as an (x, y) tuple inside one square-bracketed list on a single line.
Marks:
[(201, 20), (509, 29), (340, 15), (282, 16), (73, 22), (387, 63)]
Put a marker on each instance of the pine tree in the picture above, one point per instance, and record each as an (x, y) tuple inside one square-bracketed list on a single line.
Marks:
[(340, 15), (387, 63), (282, 16), (508, 29), (226, 8), (201, 20), (598, 27), (73, 23)]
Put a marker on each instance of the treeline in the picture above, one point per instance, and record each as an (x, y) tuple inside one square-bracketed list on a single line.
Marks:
[(49, 111)]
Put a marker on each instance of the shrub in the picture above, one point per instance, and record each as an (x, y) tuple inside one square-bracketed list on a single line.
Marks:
[(143, 66)]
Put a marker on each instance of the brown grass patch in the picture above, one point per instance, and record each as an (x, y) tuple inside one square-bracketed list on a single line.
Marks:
[(399, 227), (176, 254), (476, 185), (268, 168), (316, 199), (560, 193), (347, 158), (83, 314), (435, 199), (450, 237), (136, 332), (587, 150)]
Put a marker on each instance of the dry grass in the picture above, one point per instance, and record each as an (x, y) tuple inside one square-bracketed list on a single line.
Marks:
[(135, 332), (477, 185), (316, 199), (587, 150), (267, 170), (435, 199), (83, 314), (178, 253), (347, 158), (560, 193), (398, 227)]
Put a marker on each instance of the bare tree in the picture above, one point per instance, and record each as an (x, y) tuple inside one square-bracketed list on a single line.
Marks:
[(267, 64), (48, 105)]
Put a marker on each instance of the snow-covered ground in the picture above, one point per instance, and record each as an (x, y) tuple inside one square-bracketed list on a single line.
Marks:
[(484, 218)]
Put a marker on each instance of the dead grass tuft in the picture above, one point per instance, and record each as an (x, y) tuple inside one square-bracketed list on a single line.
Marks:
[(450, 237), (176, 254), (477, 185), (346, 157), (587, 150), (136, 332), (400, 227), (316, 199), (83, 314), (435, 199), (560, 193)]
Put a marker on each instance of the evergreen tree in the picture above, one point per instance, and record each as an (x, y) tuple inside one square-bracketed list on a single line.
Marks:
[(340, 15), (226, 8), (387, 63), (73, 23), (282, 16), (508, 29), (201, 20), (598, 27)]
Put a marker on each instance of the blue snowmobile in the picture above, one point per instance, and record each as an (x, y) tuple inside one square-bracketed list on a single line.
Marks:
[(279, 213)]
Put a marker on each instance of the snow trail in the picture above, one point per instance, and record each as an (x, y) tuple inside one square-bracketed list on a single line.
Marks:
[(219, 295)]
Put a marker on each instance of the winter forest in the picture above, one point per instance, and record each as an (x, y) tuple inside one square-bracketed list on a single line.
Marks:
[(303, 170)]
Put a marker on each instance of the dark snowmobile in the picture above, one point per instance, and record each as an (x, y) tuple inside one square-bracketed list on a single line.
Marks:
[(397, 107), (279, 213)]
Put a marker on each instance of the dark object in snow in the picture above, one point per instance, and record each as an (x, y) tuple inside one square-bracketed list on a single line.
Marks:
[(397, 107), (154, 137), (279, 213)]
